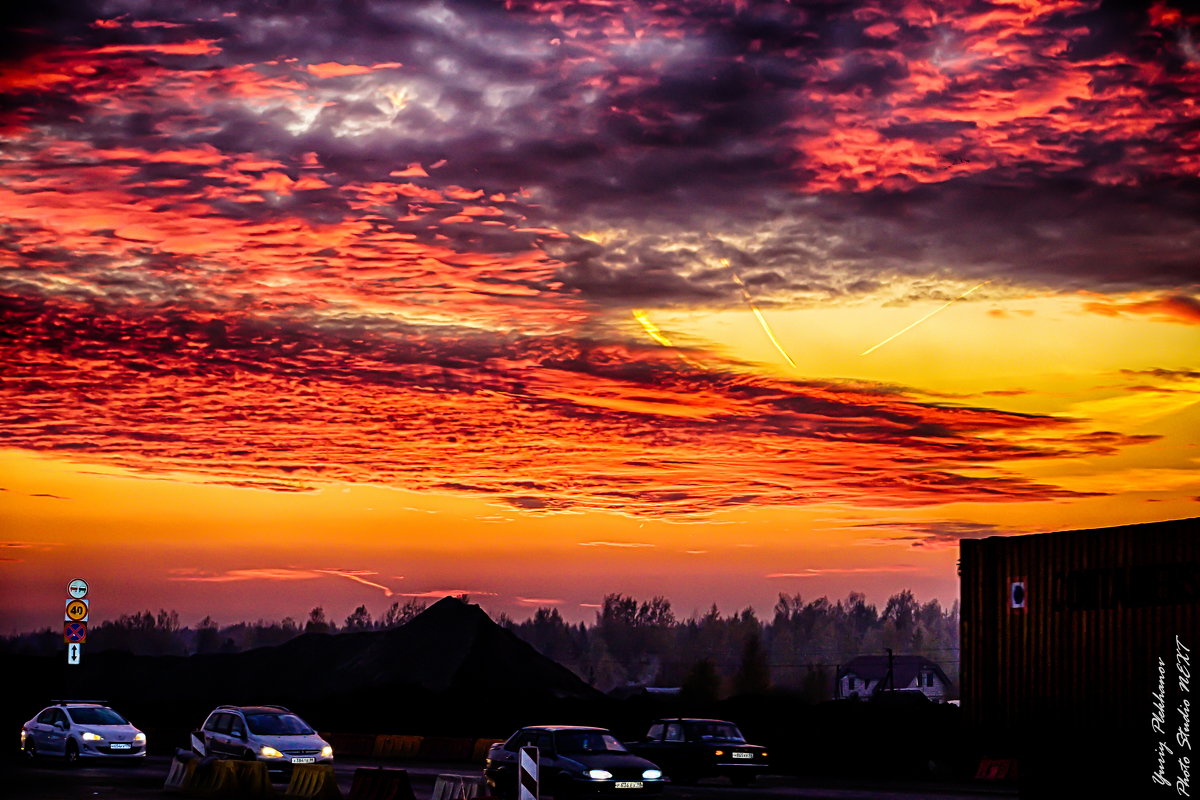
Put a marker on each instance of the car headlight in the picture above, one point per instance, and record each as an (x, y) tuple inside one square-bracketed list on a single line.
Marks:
[(139, 737), (88, 736), (599, 774), (269, 752), (652, 774), (326, 752)]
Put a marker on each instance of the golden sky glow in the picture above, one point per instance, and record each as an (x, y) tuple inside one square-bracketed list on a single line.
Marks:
[(541, 300)]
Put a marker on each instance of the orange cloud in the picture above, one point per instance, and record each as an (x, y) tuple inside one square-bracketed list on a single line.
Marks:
[(818, 572), (332, 69), (236, 575)]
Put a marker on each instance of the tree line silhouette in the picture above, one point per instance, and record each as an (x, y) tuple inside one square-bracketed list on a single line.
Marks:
[(629, 644)]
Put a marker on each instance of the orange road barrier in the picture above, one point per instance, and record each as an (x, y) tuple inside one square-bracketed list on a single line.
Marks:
[(997, 769), (357, 745), (381, 784), (179, 778), (442, 748), (313, 782), (397, 746), (424, 748), (384, 747)]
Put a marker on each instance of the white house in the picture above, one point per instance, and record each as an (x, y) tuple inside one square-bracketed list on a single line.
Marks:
[(863, 676)]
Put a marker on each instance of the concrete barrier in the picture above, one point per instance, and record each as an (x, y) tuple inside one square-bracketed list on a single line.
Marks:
[(179, 777), (313, 782), (458, 787), (381, 784)]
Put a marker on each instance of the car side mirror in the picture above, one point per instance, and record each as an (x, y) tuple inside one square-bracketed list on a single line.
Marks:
[(238, 734)]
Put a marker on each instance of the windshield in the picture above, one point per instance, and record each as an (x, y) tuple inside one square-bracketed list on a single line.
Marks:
[(588, 742), (717, 730), (277, 725), (96, 716)]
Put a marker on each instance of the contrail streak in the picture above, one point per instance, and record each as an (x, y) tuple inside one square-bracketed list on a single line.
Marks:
[(651, 329), (357, 578), (758, 315), (942, 307), (657, 335)]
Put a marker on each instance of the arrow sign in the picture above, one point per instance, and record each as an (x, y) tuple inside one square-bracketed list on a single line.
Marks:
[(73, 653), (75, 632)]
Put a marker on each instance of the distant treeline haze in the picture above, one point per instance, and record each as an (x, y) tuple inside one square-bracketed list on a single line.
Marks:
[(630, 643)]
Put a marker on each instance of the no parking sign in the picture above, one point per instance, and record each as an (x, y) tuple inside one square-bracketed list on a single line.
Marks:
[(75, 632)]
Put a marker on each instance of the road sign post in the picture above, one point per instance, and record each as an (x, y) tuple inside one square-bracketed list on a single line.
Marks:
[(75, 618)]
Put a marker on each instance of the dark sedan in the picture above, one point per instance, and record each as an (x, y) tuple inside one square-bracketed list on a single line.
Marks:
[(573, 761), (690, 749)]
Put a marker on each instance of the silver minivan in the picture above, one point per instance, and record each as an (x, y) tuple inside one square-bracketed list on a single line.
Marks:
[(270, 734)]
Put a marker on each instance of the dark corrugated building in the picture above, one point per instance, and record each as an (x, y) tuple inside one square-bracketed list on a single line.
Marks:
[(1077, 649)]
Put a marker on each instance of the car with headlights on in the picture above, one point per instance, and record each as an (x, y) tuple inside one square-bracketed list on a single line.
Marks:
[(689, 749), (573, 761), (270, 734), (78, 731)]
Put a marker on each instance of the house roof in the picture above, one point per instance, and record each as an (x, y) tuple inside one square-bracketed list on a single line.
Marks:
[(904, 668)]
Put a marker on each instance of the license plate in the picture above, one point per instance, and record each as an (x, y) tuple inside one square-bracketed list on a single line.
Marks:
[(120, 745), (304, 760), (743, 755), (627, 785)]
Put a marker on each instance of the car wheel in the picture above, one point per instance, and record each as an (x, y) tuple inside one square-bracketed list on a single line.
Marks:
[(72, 753), (30, 751)]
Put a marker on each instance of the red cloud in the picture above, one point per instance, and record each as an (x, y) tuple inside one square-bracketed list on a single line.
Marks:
[(1169, 308)]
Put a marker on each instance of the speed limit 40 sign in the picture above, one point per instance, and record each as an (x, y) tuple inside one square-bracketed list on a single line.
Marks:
[(77, 611)]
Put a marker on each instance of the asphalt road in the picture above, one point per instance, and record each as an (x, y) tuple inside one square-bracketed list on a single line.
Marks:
[(48, 780)]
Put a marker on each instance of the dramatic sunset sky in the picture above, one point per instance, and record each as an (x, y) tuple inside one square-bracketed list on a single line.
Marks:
[(339, 303)]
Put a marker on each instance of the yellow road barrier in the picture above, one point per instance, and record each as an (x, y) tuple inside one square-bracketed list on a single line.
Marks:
[(253, 780), (213, 779), (313, 782)]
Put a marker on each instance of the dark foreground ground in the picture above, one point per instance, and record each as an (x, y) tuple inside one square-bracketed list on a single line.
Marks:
[(51, 781)]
